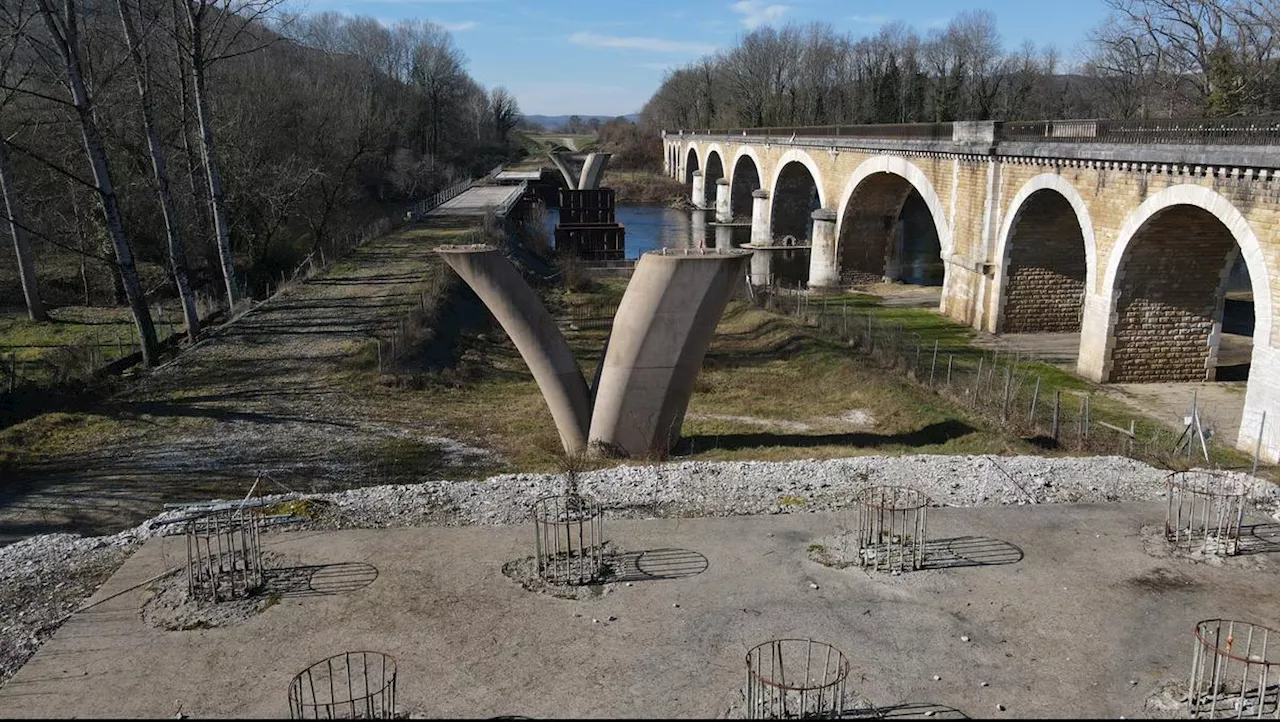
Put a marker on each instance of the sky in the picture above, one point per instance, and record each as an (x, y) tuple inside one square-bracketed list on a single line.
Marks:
[(607, 57)]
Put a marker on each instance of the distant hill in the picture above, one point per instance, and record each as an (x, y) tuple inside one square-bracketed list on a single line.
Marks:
[(557, 122)]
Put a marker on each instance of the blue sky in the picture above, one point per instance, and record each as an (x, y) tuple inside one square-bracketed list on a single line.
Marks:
[(606, 57)]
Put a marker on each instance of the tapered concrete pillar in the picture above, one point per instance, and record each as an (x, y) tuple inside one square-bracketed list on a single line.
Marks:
[(760, 235), (698, 229), (824, 260), (562, 163), (724, 238), (698, 195), (761, 268), (534, 333), (660, 335), (593, 171), (724, 213)]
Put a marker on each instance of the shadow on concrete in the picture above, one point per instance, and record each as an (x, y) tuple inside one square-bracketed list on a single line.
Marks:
[(320, 580), (655, 564), (908, 710), (931, 435), (969, 551), (1259, 539)]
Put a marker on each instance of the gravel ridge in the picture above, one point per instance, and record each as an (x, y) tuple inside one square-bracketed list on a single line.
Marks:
[(45, 579)]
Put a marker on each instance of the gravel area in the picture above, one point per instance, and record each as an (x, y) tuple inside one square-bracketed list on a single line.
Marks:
[(45, 579)]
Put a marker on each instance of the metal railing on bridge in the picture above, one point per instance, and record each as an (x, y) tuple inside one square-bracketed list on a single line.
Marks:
[(911, 131), (1164, 131), (1189, 131)]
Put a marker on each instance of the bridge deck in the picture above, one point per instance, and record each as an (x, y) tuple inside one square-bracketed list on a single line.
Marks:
[(481, 200)]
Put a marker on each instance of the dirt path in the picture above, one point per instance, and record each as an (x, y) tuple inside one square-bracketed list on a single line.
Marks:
[(266, 394)]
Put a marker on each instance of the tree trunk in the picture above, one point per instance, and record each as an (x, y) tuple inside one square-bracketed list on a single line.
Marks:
[(26, 262), (194, 169), (68, 46), (208, 152), (177, 255)]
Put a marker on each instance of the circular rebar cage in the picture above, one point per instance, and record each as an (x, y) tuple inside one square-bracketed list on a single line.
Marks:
[(569, 539), (891, 528), (1235, 671), (351, 685), (224, 555), (795, 678), (1205, 512)]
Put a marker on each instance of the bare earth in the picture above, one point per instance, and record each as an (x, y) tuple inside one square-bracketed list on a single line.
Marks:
[(257, 397)]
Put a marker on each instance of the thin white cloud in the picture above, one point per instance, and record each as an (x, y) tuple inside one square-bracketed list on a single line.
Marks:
[(655, 45), (655, 66), (870, 19), (459, 27), (756, 13)]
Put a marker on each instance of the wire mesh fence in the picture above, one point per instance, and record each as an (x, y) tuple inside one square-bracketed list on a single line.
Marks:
[(1007, 387)]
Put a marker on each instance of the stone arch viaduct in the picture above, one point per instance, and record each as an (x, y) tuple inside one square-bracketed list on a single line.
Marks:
[(1124, 231)]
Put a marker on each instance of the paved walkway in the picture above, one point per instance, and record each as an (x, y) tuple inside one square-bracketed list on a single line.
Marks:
[(1049, 610)]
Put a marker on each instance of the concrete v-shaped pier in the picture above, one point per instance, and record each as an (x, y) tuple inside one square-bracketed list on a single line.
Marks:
[(660, 336)]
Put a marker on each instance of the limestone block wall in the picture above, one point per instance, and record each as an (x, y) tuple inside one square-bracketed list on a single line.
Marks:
[(1046, 267), (866, 231)]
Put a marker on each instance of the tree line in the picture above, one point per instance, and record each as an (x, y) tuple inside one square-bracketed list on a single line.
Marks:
[(1148, 59), (165, 146)]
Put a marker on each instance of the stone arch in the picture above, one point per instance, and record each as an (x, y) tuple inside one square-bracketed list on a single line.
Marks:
[(713, 166), (870, 208), (1165, 286), (794, 190), (691, 163), (744, 177), (1047, 258)]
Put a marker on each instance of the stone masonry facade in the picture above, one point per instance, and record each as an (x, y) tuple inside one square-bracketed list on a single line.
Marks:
[(1013, 263)]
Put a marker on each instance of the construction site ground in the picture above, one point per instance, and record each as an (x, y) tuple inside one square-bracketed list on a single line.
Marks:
[(1029, 611)]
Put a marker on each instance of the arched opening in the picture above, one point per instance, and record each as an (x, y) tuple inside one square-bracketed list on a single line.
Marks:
[(795, 197), (1045, 267), (714, 172), (745, 180), (889, 232), (1183, 302), (690, 165)]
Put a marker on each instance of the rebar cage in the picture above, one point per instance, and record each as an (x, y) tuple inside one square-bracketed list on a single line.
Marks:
[(351, 685), (1205, 512), (891, 528), (795, 678), (224, 555), (569, 539), (1235, 671)]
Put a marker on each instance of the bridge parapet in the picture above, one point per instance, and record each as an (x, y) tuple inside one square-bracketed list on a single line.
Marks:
[(1245, 142)]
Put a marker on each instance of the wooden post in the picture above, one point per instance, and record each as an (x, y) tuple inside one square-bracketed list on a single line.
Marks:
[(1056, 396), (13, 371), (950, 358), (1008, 382), (933, 364), (977, 384), (1035, 396), (1133, 429)]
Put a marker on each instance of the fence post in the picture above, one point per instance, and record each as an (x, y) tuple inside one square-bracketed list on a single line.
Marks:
[(1133, 435), (13, 371), (1257, 448), (977, 384), (950, 358), (933, 364), (1008, 384), (1056, 395), (1035, 396)]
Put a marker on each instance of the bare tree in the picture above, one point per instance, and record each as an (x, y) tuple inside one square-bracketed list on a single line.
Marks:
[(138, 55), (11, 28), (63, 39), (214, 32)]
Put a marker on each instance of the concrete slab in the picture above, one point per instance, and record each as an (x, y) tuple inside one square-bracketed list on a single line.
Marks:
[(479, 200), (1060, 620)]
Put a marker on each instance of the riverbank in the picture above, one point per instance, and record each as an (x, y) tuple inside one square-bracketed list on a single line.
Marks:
[(648, 187)]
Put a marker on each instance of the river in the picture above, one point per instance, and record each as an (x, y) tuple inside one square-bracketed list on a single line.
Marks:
[(655, 226)]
